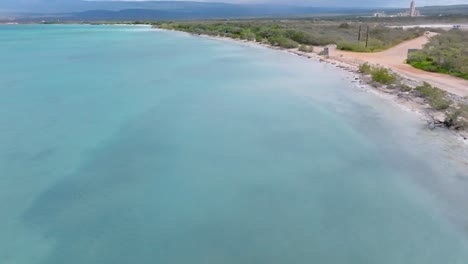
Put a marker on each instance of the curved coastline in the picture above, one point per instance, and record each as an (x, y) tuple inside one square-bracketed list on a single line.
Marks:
[(200, 146), (406, 101), (445, 189)]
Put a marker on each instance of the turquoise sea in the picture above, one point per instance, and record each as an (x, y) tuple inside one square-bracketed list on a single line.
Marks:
[(123, 144)]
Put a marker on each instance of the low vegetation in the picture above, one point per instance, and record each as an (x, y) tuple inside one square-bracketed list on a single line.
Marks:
[(380, 38), (293, 33), (306, 48), (365, 68), (382, 75), (283, 42), (445, 53), (436, 97), (456, 114), (379, 74), (352, 46), (457, 117)]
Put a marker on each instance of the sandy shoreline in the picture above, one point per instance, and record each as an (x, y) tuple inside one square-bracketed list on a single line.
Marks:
[(403, 100)]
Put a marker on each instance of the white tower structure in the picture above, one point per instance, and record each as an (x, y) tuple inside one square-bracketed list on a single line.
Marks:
[(412, 11)]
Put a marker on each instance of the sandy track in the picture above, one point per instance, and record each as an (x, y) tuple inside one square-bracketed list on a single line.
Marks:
[(394, 58)]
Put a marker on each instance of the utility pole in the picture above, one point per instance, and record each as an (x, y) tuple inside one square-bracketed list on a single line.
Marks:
[(367, 38), (359, 36)]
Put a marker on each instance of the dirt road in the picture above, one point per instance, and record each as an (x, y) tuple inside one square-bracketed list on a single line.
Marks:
[(394, 58)]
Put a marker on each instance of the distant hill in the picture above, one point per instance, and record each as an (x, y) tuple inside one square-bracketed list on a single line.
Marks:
[(115, 11), (435, 10), (444, 10), (211, 12), (76, 10), (69, 6)]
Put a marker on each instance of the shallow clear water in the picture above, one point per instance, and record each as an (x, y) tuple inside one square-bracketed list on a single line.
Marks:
[(123, 144)]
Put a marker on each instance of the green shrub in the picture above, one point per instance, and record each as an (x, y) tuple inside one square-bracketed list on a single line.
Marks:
[(365, 68), (344, 25), (436, 97), (440, 103), (259, 38), (283, 42), (382, 75), (457, 117), (372, 45), (404, 88), (301, 37), (375, 45), (445, 53), (301, 31), (428, 91), (247, 35), (305, 48), (235, 30), (351, 46)]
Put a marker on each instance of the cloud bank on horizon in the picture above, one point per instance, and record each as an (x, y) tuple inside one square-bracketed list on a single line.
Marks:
[(60, 6), (344, 3), (306, 2)]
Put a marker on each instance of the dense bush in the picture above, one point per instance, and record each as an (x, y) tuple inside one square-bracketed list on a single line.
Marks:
[(376, 45), (393, 36), (283, 42), (344, 25), (436, 97), (379, 74), (352, 46), (301, 37), (404, 88), (457, 117), (380, 38), (289, 32), (445, 53), (382, 75), (365, 68), (247, 35), (305, 48)]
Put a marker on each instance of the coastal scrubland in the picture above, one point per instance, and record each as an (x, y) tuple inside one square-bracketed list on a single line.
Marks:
[(455, 112), (445, 53), (292, 33)]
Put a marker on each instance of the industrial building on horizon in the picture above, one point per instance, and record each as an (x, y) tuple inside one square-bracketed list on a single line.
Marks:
[(411, 12)]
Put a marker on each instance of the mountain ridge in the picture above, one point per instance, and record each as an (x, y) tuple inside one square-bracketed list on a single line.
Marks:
[(178, 10)]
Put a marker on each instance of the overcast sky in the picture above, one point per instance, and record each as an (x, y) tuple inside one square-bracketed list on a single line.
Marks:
[(303, 2), (324, 2)]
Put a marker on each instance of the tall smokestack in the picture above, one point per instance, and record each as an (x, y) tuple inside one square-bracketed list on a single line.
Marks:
[(412, 11)]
